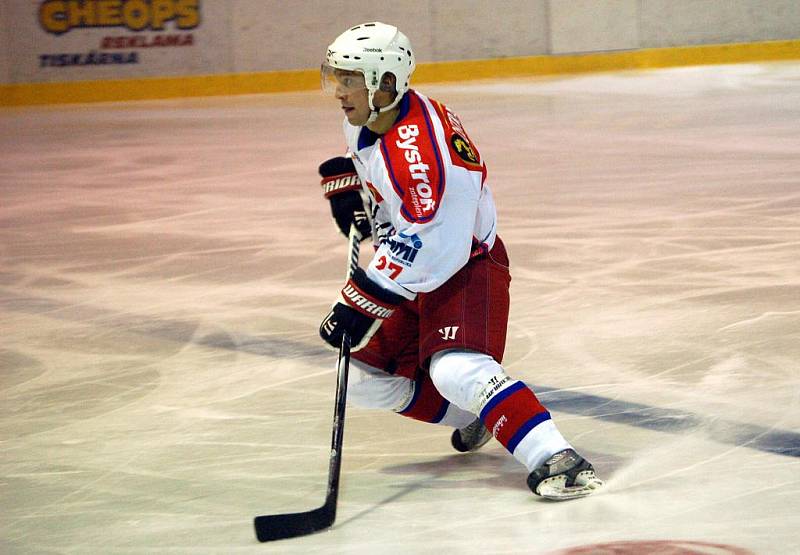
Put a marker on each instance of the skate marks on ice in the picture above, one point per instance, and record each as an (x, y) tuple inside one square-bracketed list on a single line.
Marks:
[(180, 332), (477, 470), (675, 421), (777, 441), (653, 225)]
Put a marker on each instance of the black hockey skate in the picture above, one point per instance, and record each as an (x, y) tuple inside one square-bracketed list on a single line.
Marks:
[(565, 475), (471, 437)]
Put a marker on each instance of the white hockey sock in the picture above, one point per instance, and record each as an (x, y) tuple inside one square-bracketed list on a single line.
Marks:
[(371, 388), (540, 444), (456, 417)]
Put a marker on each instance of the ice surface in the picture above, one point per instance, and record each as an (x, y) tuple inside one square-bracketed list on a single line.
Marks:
[(164, 267)]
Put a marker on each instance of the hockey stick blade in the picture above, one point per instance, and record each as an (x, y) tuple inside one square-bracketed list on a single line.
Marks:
[(291, 525)]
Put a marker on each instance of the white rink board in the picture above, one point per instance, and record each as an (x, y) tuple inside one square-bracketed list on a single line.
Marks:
[(214, 37)]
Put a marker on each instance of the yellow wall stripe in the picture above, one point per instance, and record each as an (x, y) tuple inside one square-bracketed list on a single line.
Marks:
[(27, 94)]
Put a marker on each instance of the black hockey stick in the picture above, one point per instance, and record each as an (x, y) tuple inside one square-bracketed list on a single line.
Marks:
[(291, 525)]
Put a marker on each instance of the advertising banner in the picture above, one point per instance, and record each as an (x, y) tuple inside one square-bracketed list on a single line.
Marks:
[(67, 40)]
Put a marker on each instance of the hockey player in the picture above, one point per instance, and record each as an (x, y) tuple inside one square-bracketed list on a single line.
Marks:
[(428, 316)]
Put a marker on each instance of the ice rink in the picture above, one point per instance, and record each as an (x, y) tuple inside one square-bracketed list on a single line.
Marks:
[(164, 267)]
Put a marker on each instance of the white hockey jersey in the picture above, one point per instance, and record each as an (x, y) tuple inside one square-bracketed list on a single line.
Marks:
[(426, 183)]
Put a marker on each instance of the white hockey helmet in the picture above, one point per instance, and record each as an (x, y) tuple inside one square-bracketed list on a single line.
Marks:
[(372, 49)]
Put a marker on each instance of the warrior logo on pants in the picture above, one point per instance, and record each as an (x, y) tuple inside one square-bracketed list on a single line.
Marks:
[(448, 333)]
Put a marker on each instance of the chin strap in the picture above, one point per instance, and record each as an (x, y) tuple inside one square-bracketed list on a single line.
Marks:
[(376, 111)]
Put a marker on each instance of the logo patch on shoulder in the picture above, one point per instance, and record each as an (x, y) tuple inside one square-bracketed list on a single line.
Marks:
[(464, 149)]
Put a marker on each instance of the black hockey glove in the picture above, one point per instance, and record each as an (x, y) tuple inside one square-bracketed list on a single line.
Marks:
[(342, 187), (360, 309)]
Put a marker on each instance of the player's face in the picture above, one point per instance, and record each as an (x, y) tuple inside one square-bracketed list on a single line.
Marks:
[(352, 94), (350, 89)]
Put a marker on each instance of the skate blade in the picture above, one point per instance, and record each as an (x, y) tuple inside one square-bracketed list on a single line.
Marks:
[(555, 490)]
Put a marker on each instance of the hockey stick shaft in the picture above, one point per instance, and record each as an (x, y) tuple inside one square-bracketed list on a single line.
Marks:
[(290, 525)]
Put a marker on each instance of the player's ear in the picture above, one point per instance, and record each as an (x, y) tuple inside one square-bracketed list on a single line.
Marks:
[(388, 83)]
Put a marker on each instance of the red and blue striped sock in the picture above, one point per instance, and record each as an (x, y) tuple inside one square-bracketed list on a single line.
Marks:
[(512, 413)]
